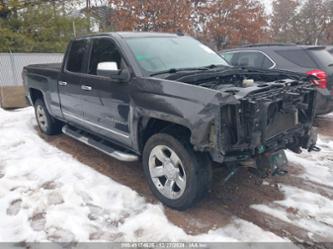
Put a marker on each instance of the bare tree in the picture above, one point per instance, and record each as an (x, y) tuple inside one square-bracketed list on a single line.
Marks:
[(306, 23), (313, 20), (152, 15), (284, 20), (231, 22)]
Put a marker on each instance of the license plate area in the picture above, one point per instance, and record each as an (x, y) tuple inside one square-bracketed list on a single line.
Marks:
[(272, 164)]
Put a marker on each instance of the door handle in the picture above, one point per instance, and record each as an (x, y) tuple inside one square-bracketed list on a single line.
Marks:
[(86, 88), (62, 83)]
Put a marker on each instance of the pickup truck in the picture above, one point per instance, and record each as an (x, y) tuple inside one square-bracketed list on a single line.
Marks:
[(177, 105)]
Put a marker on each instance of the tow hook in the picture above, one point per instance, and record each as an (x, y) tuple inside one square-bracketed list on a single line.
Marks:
[(314, 148)]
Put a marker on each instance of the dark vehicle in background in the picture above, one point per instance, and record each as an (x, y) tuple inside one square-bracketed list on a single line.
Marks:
[(175, 103), (312, 60)]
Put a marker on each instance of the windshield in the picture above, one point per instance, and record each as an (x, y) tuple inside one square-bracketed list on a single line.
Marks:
[(155, 54)]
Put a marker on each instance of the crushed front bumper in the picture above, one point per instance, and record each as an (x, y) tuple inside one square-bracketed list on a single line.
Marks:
[(266, 122)]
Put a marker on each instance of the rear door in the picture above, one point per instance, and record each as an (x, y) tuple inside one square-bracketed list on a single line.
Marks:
[(69, 84), (294, 59), (106, 100)]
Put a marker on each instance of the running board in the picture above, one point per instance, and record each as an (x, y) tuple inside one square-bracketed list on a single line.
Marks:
[(100, 145)]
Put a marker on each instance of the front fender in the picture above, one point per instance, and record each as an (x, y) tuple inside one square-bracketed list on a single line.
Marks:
[(188, 105)]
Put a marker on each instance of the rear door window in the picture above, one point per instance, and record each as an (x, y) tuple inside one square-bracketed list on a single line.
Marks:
[(228, 56), (251, 59), (76, 55), (298, 56), (267, 63)]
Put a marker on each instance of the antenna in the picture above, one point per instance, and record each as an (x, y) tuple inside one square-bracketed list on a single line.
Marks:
[(74, 29)]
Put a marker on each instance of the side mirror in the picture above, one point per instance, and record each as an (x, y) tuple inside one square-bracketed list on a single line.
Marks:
[(110, 69)]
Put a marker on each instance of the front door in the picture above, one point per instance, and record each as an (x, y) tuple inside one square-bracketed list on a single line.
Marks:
[(106, 100)]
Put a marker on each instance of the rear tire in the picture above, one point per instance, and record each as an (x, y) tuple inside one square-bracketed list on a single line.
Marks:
[(46, 123), (178, 176)]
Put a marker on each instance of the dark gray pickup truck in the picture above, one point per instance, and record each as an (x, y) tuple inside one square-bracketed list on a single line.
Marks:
[(175, 103)]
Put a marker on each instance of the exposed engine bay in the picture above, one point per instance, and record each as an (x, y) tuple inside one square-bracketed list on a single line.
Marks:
[(274, 111)]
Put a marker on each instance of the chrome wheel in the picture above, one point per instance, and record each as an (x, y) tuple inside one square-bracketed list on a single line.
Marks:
[(167, 172), (41, 117)]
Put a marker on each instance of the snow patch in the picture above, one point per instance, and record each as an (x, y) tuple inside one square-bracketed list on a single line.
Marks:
[(47, 195), (242, 230), (318, 167), (303, 209)]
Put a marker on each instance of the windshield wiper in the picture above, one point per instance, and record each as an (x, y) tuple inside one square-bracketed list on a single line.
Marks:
[(176, 70), (211, 66)]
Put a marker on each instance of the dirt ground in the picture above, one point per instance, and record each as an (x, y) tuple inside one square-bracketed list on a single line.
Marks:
[(223, 202)]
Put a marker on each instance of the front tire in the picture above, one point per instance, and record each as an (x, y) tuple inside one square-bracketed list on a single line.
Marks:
[(178, 176), (46, 123)]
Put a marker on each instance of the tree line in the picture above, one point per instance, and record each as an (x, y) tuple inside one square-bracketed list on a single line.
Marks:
[(305, 22), (47, 26)]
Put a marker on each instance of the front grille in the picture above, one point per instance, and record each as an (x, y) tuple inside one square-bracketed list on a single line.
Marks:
[(279, 122)]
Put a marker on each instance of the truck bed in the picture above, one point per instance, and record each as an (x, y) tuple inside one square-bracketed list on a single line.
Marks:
[(45, 78), (48, 66)]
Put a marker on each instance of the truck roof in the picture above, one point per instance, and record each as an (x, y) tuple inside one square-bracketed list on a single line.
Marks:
[(275, 46), (132, 34)]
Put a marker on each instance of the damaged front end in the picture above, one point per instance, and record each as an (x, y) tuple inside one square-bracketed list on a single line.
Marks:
[(272, 111), (269, 118), (260, 114)]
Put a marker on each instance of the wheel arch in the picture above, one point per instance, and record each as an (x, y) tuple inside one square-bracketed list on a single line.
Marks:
[(35, 94), (148, 126)]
